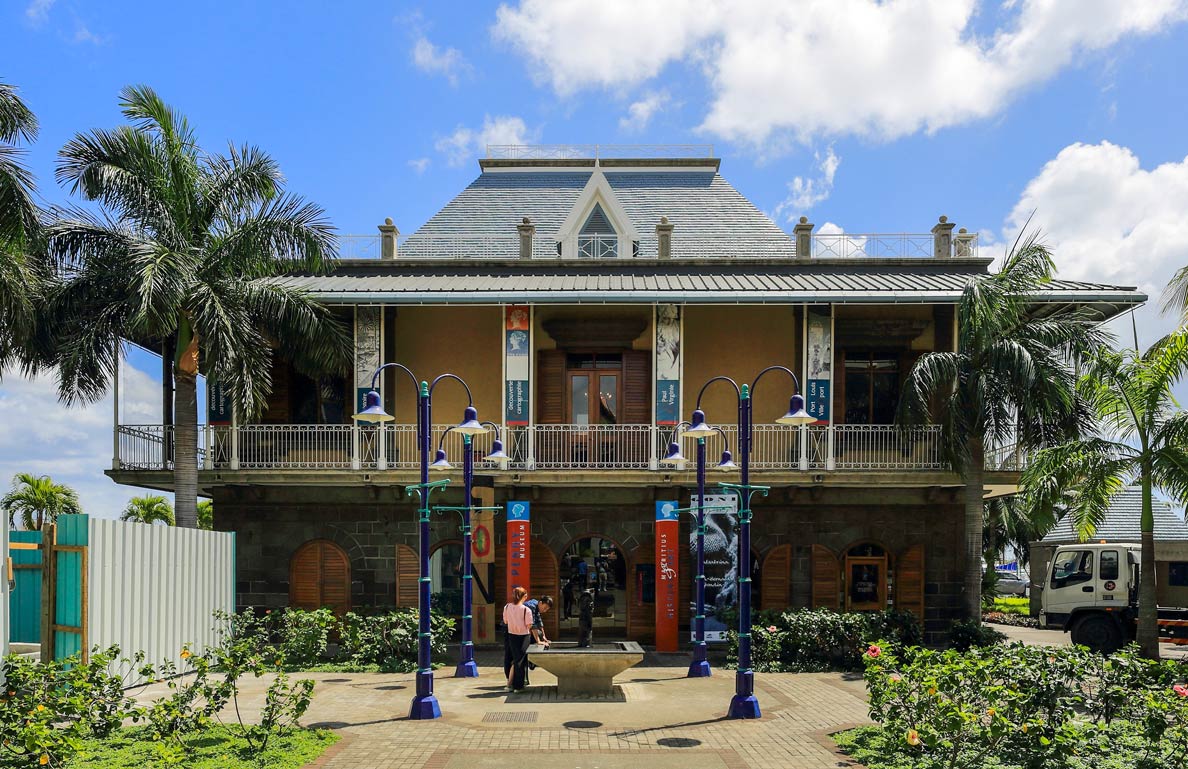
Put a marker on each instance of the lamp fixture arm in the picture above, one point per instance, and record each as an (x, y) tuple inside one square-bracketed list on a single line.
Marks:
[(441, 440), (676, 429), (459, 380), (722, 433), (375, 376), (733, 384), (493, 426), (785, 369)]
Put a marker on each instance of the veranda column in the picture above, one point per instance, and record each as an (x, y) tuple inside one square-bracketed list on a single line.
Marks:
[(517, 379), (369, 340), (668, 363), (818, 374)]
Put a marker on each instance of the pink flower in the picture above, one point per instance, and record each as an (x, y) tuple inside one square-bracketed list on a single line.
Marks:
[(895, 677), (1181, 690), (771, 628), (873, 651)]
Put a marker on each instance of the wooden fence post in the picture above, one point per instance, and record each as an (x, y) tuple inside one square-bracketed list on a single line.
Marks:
[(49, 590)]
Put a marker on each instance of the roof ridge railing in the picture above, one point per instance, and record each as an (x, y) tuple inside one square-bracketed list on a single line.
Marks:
[(597, 151)]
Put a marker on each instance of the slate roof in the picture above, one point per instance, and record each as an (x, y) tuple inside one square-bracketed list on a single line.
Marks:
[(1121, 522)]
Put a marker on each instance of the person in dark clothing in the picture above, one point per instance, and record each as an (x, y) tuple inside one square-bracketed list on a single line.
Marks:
[(586, 619), (569, 596)]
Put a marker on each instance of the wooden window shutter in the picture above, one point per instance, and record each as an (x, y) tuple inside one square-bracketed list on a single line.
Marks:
[(408, 572), (776, 579), (544, 579), (909, 581), (550, 387), (826, 578), (320, 576), (637, 387)]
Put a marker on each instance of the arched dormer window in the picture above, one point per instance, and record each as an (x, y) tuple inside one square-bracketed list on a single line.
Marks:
[(597, 227)]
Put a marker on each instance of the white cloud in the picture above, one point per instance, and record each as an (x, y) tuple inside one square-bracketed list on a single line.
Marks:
[(420, 165), (830, 240), (448, 62), (1109, 220), (804, 193), (82, 34), (810, 68), (38, 11), (641, 112), (71, 444), (465, 143)]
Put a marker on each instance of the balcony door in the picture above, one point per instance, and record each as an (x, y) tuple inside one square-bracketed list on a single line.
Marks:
[(594, 391)]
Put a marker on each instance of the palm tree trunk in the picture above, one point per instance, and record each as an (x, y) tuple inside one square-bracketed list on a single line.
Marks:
[(185, 458), (974, 501), (1148, 630)]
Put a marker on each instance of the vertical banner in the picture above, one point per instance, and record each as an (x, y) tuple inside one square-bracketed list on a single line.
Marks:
[(368, 338), (517, 363), (218, 404), (818, 365), (668, 364), (482, 563), (721, 562), (519, 532), (668, 533)]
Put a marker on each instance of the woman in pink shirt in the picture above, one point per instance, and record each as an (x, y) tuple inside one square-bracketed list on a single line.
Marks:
[(516, 640)]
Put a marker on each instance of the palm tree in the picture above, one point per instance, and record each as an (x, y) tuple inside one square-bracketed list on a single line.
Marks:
[(205, 514), (21, 274), (1010, 379), (1142, 437), (186, 251), (148, 509), (36, 500)]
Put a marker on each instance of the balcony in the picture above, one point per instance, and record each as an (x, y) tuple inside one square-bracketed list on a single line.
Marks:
[(538, 448)]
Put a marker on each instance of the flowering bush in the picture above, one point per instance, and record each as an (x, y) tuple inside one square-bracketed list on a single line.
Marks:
[(1024, 706), (819, 639), (390, 640)]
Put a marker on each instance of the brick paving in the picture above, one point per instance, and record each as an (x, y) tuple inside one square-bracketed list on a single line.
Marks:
[(664, 720)]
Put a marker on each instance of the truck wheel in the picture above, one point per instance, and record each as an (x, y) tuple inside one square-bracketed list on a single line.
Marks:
[(1100, 634)]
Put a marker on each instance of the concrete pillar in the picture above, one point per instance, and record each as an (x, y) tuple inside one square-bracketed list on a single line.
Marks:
[(942, 238), (803, 233), (527, 232), (664, 239), (388, 236), (965, 242)]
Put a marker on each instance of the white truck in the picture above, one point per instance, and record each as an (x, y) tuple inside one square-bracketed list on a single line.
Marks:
[(1091, 592)]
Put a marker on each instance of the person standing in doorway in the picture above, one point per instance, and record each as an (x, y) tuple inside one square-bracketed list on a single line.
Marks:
[(516, 640), (583, 570)]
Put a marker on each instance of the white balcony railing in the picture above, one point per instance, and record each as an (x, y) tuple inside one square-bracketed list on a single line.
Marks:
[(540, 447)]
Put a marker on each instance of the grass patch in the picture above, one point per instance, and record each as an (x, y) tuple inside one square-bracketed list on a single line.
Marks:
[(1012, 605), (214, 748)]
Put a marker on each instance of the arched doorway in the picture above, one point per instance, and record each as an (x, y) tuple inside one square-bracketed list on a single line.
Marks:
[(865, 576), (596, 564), (445, 577), (320, 576)]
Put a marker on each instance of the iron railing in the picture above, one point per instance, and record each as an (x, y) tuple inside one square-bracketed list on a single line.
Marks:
[(597, 151)]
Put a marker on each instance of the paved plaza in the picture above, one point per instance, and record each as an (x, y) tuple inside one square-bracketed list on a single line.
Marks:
[(661, 719)]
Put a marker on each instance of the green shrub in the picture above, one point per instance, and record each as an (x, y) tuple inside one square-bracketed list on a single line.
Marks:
[(390, 640), (966, 634), (304, 635), (820, 639)]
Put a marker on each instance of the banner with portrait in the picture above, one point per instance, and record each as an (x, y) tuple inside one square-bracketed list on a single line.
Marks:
[(517, 364)]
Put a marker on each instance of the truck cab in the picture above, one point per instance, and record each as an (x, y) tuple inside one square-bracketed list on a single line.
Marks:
[(1091, 591)]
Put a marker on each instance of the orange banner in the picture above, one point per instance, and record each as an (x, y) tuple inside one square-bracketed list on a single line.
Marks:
[(519, 533), (668, 537)]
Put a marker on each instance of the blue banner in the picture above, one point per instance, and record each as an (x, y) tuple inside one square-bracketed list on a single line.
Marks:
[(519, 511), (666, 511)]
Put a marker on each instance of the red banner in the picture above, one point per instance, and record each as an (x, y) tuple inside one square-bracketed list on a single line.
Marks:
[(668, 594), (519, 533)]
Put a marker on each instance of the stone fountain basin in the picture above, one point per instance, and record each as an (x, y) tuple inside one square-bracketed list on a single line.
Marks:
[(586, 671)]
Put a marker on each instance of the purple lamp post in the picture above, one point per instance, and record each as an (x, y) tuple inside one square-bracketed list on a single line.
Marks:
[(744, 703), (424, 704), (467, 667), (699, 667)]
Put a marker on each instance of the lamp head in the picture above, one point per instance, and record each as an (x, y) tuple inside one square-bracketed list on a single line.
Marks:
[(796, 414), (727, 463), (470, 424), (698, 427), (440, 462), (373, 409), (673, 457), (497, 453)]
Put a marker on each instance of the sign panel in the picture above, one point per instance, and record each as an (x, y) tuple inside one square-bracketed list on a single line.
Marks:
[(668, 532), (368, 351), (218, 404), (519, 533), (517, 357), (721, 563), (818, 361), (668, 364), (482, 567)]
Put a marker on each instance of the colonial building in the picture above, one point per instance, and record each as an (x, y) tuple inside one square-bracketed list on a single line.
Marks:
[(585, 299)]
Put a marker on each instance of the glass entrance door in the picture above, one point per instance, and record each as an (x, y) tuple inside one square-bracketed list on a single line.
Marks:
[(595, 568)]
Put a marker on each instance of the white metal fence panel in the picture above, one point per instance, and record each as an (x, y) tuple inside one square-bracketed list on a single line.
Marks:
[(155, 588)]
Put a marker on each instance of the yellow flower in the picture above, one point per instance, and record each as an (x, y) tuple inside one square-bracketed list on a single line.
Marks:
[(185, 654), (913, 737), (990, 712), (43, 760), (1025, 728), (932, 690), (40, 708)]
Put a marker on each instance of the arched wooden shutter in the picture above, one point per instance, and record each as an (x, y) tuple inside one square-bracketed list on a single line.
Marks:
[(909, 581), (641, 614), (408, 572), (826, 576), (776, 591), (544, 579), (320, 576), (550, 387)]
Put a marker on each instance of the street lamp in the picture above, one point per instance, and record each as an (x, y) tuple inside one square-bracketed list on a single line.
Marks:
[(700, 667), (424, 704), (467, 667), (745, 704)]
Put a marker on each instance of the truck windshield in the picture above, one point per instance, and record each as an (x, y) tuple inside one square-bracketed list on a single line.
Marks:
[(1072, 567)]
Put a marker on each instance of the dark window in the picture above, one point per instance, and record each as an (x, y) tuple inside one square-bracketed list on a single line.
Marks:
[(1177, 574), (1109, 564), (1072, 567), (872, 387)]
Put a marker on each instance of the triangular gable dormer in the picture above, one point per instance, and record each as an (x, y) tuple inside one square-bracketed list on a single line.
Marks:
[(594, 222)]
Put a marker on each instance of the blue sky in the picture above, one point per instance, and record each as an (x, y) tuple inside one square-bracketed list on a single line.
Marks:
[(871, 117)]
